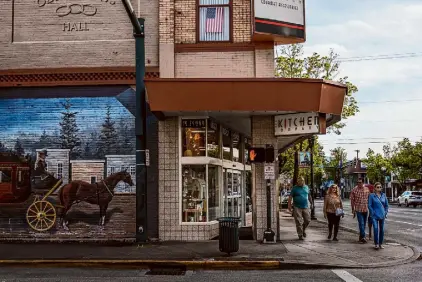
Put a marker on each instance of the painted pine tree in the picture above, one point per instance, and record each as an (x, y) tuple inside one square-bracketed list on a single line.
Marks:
[(69, 138), (19, 150), (108, 142)]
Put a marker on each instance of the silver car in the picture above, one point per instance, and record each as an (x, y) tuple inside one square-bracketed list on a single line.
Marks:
[(410, 198)]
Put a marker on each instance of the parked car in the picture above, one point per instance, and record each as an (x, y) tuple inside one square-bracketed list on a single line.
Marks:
[(410, 198)]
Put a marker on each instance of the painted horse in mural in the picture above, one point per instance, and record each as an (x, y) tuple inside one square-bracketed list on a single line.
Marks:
[(100, 193)]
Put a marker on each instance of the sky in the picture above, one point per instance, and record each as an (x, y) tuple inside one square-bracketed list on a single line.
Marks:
[(45, 114), (390, 91)]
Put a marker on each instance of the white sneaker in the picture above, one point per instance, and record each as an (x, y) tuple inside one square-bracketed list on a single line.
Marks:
[(381, 247), (376, 247)]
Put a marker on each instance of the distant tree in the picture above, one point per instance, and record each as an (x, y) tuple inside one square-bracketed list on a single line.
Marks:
[(44, 140), (69, 138), (108, 142), (19, 150), (374, 164), (90, 148), (3, 147), (126, 145)]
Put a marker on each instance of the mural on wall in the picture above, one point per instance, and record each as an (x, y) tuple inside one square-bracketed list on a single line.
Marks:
[(65, 164)]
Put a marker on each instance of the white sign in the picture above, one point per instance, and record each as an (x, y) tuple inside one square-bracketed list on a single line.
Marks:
[(293, 124), (284, 11), (147, 157), (269, 172)]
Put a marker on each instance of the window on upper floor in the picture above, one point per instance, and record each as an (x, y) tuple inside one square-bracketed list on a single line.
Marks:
[(214, 20)]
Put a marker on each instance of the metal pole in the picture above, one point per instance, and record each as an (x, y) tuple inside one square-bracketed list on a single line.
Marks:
[(311, 145), (269, 233), (142, 154)]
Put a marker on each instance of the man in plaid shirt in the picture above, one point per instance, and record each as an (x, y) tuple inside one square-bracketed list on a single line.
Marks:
[(359, 202)]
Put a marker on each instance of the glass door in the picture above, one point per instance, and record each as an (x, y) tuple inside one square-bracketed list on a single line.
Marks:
[(232, 193)]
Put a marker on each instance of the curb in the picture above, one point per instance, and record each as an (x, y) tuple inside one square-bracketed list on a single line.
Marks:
[(147, 264), (188, 265)]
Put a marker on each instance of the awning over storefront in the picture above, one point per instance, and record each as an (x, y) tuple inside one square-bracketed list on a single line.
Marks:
[(232, 101), (247, 95)]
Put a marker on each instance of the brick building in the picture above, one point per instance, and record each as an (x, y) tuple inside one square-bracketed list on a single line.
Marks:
[(211, 93)]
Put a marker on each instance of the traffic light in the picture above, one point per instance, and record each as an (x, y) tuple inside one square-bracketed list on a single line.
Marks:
[(261, 155), (256, 155)]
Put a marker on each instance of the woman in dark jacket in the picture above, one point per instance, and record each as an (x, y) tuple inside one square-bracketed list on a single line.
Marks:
[(378, 210)]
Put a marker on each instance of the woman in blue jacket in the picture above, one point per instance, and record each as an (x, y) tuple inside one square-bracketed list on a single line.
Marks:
[(378, 209)]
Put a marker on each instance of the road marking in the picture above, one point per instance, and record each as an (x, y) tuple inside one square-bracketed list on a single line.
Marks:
[(346, 276)]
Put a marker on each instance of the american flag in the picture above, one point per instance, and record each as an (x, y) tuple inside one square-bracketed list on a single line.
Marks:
[(214, 20)]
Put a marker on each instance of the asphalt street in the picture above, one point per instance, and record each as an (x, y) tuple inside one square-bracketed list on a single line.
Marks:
[(403, 224), (409, 272)]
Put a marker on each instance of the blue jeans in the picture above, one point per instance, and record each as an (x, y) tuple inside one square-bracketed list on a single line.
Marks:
[(362, 217), (378, 231)]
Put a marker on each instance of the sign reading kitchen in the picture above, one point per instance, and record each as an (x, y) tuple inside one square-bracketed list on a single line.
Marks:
[(294, 124)]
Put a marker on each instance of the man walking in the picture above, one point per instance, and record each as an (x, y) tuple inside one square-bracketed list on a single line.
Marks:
[(301, 202), (359, 202)]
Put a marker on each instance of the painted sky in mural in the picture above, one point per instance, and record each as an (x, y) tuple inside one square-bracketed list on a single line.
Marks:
[(89, 127)]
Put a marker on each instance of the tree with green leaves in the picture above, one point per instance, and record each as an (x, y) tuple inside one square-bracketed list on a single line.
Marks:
[(336, 163), (292, 64), (69, 130), (406, 159), (374, 164)]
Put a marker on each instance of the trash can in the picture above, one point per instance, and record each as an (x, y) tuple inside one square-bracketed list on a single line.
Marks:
[(228, 234)]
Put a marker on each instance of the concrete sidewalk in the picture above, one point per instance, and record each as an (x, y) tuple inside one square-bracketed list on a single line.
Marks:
[(314, 252)]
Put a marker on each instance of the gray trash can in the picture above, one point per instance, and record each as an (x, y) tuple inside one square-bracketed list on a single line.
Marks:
[(228, 234)]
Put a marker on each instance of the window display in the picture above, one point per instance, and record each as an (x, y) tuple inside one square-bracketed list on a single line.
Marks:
[(213, 140), (236, 147), (193, 137), (227, 155), (213, 193), (246, 152), (194, 202)]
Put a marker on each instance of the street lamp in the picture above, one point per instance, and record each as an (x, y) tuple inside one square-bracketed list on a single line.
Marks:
[(142, 154), (383, 169), (311, 145)]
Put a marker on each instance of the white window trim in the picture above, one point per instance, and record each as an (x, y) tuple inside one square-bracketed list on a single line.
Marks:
[(205, 161), (57, 169)]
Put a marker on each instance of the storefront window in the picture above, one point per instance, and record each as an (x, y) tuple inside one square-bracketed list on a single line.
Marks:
[(226, 144), (193, 137), (194, 200), (246, 152), (213, 193), (213, 140), (236, 147)]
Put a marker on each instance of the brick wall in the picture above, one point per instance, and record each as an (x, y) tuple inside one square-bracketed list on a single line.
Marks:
[(262, 134), (40, 38), (264, 63), (215, 64), (242, 21), (29, 124), (185, 21)]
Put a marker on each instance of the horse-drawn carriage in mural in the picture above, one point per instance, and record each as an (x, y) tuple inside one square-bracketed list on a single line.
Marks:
[(19, 181)]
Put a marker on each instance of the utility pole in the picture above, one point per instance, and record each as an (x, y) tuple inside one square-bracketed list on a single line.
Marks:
[(311, 145), (142, 154)]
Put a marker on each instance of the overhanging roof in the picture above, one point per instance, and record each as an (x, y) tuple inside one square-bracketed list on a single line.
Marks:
[(254, 95)]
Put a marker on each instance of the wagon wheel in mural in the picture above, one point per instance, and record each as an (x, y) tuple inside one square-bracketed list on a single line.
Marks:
[(41, 216)]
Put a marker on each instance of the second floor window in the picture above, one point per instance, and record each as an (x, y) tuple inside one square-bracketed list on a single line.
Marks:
[(214, 20)]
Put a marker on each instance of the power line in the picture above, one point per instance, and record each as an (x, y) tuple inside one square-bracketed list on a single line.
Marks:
[(389, 101), (380, 57)]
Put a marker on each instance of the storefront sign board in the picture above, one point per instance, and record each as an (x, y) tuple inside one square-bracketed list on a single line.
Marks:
[(295, 124)]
